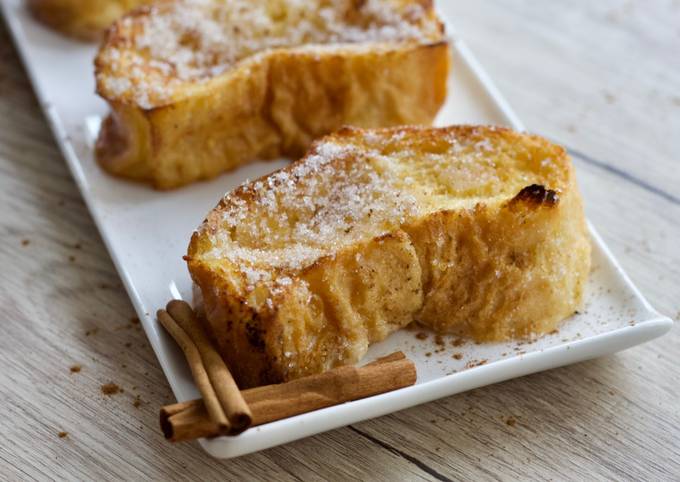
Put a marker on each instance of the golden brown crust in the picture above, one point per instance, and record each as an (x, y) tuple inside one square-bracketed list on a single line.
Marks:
[(503, 253), (266, 106), (83, 19)]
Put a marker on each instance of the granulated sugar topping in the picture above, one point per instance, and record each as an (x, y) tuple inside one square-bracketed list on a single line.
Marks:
[(295, 216), (194, 40)]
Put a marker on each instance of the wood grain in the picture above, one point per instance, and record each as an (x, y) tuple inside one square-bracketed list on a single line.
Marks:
[(600, 77)]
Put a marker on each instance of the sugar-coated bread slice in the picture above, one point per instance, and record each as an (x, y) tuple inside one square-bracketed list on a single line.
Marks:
[(84, 19), (197, 87), (477, 231)]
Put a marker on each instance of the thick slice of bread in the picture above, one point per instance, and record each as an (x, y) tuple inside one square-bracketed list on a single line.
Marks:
[(198, 87), (84, 19), (477, 231)]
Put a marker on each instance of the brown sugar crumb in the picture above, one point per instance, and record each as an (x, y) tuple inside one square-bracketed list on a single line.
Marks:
[(110, 389), (458, 342), (421, 335), (92, 331), (75, 368), (511, 421), (62, 434), (25, 242), (439, 340)]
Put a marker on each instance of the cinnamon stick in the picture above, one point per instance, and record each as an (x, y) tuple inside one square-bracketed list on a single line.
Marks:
[(213, 409), (189, 420), (228, 393)]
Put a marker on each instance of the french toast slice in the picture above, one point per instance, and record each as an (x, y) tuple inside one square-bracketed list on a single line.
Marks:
[(198, 87), (83, 19), (477, 231)]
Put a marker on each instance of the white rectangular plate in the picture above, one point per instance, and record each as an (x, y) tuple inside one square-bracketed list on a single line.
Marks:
[(147, 233)]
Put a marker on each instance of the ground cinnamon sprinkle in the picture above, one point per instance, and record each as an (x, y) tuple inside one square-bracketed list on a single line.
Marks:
[(458, 342), (110, 389), (475, 363), (25, 242), (134, 320), (457, 356), (439, 340), (136, 402), (421, 335), (71, 258), (75, 368), (62, 434), (511, 422)]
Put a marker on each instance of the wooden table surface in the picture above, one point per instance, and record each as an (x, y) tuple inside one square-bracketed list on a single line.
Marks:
[(603, 78)]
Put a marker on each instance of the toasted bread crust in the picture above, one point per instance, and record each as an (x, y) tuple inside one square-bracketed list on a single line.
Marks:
[(492, 258), (270, 104), (83, 19)]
